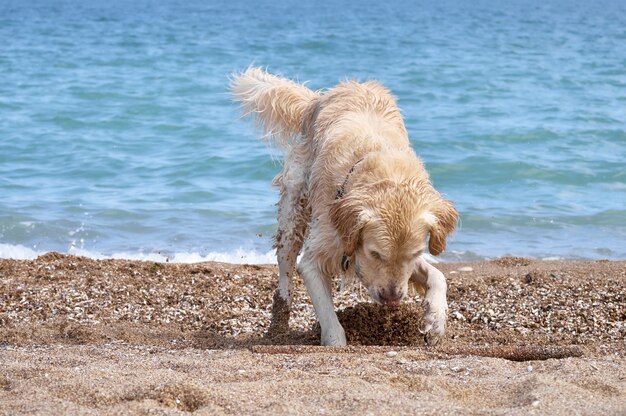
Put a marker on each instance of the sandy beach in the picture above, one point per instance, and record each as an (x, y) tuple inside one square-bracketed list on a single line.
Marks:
[(82, 336)]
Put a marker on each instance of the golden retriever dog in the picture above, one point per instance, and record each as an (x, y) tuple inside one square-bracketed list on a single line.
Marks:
[(353, 193)]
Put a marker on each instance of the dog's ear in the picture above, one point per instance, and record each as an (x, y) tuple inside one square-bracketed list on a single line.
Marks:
[(348, 215), (443, 221)]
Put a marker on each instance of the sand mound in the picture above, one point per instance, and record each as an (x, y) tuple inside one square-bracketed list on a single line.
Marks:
[(370, 324)]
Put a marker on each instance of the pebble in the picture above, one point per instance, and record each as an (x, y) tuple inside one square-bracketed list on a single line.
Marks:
[(391, 354), (458, 316), (530, 368), (535, 403), (465, 269)]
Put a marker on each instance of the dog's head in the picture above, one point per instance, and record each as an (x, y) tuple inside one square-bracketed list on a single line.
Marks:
[(386, 229)]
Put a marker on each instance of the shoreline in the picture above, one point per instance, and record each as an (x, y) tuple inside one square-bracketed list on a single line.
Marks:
[(117, 336), (242, 256)]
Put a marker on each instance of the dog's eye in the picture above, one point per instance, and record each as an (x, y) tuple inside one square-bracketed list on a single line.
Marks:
[(417, 254), (376, 255)]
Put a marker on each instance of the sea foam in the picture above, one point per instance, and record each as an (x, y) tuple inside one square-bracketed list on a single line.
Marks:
[(238, 256), (17, 252)]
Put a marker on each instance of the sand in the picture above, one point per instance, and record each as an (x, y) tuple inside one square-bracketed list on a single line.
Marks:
[(80, 336)]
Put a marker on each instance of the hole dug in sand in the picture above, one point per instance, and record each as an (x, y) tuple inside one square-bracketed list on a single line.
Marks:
[(183, 397), (371, 324)]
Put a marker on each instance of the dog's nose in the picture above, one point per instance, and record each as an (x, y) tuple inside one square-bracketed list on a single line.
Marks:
[(390, 297)]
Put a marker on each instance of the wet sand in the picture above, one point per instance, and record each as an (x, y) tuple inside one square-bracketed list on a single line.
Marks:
[(80, 336)]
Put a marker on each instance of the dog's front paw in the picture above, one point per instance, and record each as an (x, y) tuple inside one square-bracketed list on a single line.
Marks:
[(334, 337), (434, 321)]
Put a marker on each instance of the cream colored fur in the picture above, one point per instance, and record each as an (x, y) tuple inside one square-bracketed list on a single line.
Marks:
[(351, 186)]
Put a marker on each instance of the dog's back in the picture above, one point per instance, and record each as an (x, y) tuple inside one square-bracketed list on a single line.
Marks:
[(368, 103)]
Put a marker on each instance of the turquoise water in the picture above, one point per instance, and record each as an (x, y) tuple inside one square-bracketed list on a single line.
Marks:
[(118, 137)]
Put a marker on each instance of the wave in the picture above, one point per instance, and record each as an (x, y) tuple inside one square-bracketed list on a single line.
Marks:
[(251, 256), (238, 256), (17, 252)]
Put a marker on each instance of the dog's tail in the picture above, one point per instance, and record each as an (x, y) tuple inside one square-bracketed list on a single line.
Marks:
[(278, 104)]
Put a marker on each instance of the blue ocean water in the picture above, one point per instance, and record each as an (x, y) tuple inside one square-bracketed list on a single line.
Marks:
[(118, 137)]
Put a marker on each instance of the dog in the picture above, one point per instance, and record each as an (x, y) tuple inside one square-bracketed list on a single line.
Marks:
[(353, 193)]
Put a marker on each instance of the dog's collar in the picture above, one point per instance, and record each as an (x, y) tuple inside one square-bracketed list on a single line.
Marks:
[(342, 189)]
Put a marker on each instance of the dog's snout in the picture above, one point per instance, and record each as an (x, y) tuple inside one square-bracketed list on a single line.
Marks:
[(390, 296)]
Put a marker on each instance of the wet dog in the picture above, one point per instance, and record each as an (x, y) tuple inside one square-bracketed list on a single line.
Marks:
[(353, 193)]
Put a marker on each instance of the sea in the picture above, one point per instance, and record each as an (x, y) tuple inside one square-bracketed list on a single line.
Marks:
[(119, 139)]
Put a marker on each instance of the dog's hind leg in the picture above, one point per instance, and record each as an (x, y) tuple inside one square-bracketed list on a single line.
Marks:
[(293, 218), (291, 229)]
